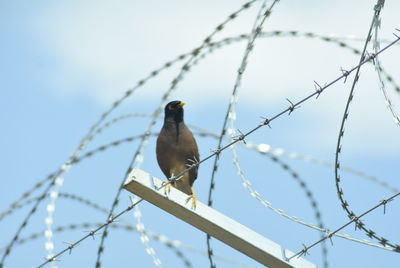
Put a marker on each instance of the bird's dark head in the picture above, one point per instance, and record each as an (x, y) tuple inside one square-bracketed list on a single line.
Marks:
[(174, 110)]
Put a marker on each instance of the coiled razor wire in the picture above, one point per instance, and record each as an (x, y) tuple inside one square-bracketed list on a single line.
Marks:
[(344, 203), (261, 148), (66, 166), (211, 48), (378, 69)]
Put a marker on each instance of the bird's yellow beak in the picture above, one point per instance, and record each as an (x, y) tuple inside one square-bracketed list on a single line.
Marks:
[(181, 104)]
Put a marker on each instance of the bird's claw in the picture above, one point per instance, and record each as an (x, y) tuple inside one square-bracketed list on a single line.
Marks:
[(194, 200), (167, 187), (193, 161)]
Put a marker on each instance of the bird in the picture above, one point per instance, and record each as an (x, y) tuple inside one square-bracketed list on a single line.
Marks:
[(176, 150)]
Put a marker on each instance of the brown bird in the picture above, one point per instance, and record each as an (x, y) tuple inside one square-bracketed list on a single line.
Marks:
[(177, 150)]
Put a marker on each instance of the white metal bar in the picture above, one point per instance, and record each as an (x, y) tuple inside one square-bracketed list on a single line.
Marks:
[(213, 223)]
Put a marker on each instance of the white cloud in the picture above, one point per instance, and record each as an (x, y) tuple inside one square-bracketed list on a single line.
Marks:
[(114, 45), (109, 47)]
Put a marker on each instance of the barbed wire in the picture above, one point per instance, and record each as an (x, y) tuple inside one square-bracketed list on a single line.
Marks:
[(263, 13), (345, 203), (355, 219)]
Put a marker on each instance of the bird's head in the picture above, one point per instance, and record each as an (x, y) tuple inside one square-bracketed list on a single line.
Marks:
[(174, 110)]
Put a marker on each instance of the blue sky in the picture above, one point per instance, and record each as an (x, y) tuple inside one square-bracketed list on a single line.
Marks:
[(64, 63)]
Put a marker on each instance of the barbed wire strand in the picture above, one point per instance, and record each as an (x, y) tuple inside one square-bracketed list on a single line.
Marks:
[(138, 156), (345, 203), (263, 13), (354, 219)]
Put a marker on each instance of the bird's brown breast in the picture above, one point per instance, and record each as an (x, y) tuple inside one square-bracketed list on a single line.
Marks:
[(174, 154)]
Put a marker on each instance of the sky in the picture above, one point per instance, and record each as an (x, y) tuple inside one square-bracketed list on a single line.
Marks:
[(65, 63)]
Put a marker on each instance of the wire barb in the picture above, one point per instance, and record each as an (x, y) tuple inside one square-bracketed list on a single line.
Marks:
[(51, 259), (217, 152), (384, 202), (292, 107), (265, 122), (70, 246), (92, 233), (318, 89), (303, 252), (371, 56), (329, 235), (345, 73), (240, 137)]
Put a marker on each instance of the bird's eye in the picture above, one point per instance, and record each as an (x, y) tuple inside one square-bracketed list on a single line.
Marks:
[(171, 107)]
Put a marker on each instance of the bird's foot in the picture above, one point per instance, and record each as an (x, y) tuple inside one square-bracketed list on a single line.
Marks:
[(192, 161), (167, 187), (194, 200)]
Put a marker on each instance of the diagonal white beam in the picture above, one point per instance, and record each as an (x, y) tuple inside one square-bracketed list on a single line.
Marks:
[(213, 223)]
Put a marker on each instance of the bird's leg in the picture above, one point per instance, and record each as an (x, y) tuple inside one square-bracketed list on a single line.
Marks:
[(167, 185), (193, 197)]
